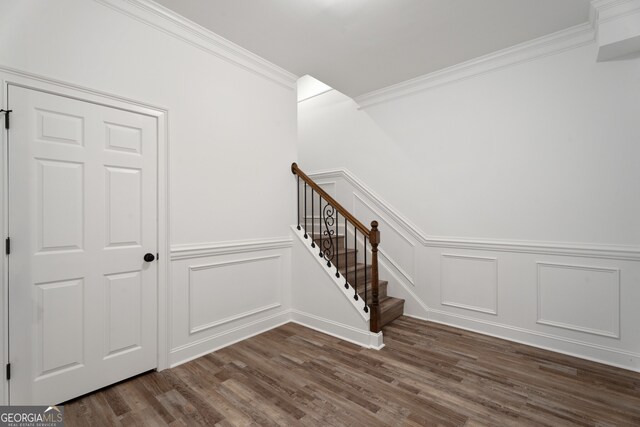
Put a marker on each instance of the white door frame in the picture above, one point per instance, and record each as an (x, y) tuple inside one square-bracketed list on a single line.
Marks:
[(19, 78)]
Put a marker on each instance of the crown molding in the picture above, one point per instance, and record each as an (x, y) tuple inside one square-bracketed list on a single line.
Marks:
[(398, 221), (609, 10), (169, 22), (618, 28), (570, 38)]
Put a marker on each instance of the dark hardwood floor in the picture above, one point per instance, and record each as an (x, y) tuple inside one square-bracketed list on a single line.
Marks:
[(427, 374)]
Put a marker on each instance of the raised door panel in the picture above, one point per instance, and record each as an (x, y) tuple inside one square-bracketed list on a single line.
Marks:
[(123, 298), (123, 138), (61, 325), (60, 205), (123, 206), (59, 127)]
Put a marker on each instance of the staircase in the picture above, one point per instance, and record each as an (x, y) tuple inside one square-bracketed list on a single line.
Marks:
[(354, 272), (347, 248)]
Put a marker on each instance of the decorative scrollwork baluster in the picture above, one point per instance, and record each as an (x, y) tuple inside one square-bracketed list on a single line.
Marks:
[(328, 246)]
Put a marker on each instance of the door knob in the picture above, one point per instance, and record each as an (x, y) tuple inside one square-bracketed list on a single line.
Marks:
[(149, 257)]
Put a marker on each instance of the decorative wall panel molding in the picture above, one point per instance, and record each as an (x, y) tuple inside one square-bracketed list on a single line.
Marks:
[(607, 335), (222, 292), (579, 298), (469, 282)]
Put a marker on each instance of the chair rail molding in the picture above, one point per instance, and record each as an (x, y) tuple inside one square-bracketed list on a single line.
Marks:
[(201, 250), (169, 22), (397, 221)]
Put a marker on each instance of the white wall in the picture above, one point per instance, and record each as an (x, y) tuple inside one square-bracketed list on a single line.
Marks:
[(544, 150), (232, 131), (508, 199)]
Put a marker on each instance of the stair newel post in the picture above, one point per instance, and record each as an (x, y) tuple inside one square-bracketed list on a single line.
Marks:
[(374, 239)]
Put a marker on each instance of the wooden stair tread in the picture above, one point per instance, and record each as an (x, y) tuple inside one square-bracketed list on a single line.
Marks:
[(380, 283), (382, 291), (342, 251), (356, 266), (316, 237), (390, 309)]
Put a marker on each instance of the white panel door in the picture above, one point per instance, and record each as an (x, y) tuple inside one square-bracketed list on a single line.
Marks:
[(82, 215)]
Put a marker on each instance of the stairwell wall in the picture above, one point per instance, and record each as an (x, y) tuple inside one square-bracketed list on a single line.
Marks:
[(508, 199)]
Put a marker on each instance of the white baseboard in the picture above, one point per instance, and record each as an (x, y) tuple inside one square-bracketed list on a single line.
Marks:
[(344, 332), (582, 350), (187, 352)]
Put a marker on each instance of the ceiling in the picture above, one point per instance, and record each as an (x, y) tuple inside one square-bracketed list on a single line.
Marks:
[(358, 46)]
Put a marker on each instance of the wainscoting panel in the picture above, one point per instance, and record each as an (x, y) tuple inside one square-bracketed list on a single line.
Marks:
[(227, 292), (469, 282), (585, 299), (574, 298)]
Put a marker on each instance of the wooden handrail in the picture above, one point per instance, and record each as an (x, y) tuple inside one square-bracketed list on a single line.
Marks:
[(345, 213), (374, 239)]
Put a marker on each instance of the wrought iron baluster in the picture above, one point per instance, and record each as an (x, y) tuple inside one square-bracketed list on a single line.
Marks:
[(328, 246), (305, 209), (366, 308), (321, 213), (337, 249), (346, 263), (355, 267), (313, 222), (298, 194)]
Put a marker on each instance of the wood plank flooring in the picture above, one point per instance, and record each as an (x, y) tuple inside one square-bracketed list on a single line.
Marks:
[(427, 374)]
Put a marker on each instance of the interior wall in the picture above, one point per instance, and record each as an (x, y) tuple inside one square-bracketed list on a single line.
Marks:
[(508, 201), (541, 151), (232, 136)]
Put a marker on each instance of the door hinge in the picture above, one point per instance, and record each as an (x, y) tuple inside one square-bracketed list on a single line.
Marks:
[(8, 371), (7, 246), (6, 117), (157, 256)]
